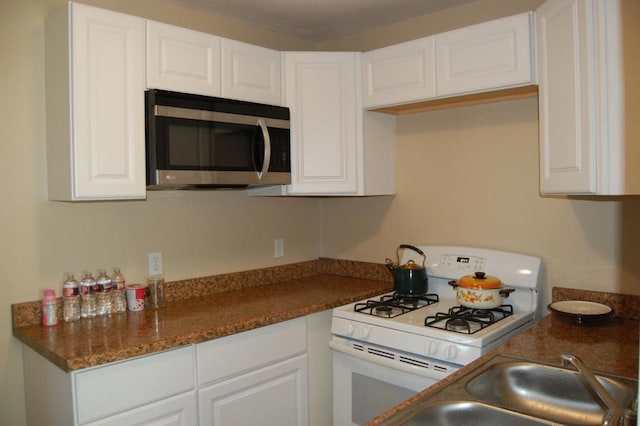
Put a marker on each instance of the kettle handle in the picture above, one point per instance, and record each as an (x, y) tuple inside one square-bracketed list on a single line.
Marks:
[(409, 246)]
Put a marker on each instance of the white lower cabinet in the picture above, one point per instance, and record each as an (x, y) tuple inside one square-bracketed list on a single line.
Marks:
[(258, 377), (157, 389), (179, 410), (273, 395)]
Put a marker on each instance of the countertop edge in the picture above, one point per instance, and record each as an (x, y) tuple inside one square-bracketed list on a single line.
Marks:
[(360, 284)]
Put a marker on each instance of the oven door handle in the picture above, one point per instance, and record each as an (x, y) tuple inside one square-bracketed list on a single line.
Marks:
[(433, 371), (267, 149)]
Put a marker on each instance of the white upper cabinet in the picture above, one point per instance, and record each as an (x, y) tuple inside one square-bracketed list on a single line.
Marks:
[(190, 61), (400, 73), (334, 147), (95, 104), (182, 60), (490, 55), (587, 62), (480, 58), (251, 73)]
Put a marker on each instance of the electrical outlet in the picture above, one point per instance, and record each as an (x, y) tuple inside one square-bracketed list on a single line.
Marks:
[(155, 263), (278, 245)]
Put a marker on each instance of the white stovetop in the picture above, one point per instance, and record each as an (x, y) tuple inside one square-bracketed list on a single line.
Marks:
[(408, 333), (412, 322)]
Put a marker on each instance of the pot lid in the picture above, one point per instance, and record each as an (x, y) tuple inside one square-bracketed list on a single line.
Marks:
[(411, 265), (480, 280)]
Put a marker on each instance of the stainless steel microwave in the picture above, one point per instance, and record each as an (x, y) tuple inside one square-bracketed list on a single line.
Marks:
[(197, 141)]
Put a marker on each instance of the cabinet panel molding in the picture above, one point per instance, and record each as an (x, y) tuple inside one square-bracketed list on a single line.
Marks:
[(182, 60), (95, 111)]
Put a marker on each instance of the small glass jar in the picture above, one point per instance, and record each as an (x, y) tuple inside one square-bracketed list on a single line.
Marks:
[(155, 286)]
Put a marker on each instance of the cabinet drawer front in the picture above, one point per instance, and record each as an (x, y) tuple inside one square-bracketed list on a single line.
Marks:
[(233, 355), (486, 56), (114, 388)]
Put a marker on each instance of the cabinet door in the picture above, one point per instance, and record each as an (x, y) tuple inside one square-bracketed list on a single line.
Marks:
[(274, 395), (95, 107), (182, 60), (321, 90), (398, 74), (491, 55), (566, 98), (175, 411), (251, 73)]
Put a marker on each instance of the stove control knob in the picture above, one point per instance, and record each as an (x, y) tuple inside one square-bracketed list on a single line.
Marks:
[(349, 329), (451, 351), (432, 347), (365, 332)]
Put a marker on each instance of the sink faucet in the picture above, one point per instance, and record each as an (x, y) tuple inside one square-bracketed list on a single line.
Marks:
[(616, 415)]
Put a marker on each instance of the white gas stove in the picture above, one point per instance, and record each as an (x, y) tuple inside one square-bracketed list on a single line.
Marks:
[(417, 341)]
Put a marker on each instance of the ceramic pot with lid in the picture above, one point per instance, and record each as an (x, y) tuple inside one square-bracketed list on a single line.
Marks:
[(411, 278), (480, 291)]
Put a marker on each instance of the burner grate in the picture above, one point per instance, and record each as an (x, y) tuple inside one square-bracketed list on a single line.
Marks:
[(396, 304), (465, 320)]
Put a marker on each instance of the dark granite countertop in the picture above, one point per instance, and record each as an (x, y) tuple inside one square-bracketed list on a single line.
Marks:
[(201, 310), (610, 346)]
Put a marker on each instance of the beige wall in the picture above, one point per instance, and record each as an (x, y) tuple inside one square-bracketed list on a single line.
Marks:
[(469, 176), (198, 233), (465, 176), (425, 25)]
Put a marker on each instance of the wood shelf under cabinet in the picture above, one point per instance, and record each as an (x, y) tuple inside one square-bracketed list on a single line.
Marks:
[(463, 100)]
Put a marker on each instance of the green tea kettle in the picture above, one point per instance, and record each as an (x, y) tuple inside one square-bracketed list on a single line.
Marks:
[(409, 279)]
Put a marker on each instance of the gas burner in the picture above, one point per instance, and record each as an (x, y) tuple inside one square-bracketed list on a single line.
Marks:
[(457, 324), (395, 304), (467, 320), (410, 300), (383, 310)]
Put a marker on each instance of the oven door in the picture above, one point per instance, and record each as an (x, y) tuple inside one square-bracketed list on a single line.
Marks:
[(364, 388)]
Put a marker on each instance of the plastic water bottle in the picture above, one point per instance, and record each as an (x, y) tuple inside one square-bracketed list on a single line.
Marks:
[(118, 291), (103, 288), (49, 308), (71, 299), (87, 296)]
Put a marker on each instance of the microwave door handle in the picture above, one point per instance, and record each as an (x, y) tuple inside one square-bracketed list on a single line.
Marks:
[(267, 148)]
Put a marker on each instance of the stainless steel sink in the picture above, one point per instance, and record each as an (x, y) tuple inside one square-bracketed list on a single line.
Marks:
[(512, 390), (553, 393), (459, 413)]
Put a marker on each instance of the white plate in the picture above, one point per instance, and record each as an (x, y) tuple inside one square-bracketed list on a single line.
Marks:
[(581, 310)]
